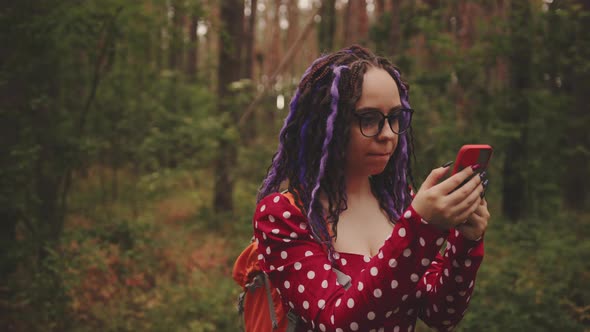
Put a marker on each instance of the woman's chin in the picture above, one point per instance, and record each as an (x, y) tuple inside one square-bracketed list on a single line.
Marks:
[(378, 170)]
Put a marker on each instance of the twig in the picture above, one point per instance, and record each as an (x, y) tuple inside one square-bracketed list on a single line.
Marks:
[(288, 56)]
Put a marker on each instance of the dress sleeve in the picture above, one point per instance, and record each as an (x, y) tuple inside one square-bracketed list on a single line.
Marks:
[(449, 282), (299, 268)]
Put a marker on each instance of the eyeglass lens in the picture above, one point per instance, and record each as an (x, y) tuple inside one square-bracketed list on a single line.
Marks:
[(372, 123)]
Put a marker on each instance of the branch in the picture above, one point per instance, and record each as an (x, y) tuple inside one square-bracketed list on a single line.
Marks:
[(286, 59), (97, 66)]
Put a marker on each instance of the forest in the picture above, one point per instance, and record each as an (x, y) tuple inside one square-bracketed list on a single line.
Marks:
[(135, 136)]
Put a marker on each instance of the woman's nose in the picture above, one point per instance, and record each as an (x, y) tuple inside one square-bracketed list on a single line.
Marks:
[(386, 132)]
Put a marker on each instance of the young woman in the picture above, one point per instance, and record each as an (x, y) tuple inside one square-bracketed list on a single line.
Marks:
[(344, 157)]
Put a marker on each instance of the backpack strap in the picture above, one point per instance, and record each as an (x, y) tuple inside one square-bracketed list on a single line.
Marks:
[(343, 279), (261, 279), (292, 322), (271, 308)]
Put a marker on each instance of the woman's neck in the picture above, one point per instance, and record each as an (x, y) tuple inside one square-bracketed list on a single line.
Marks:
[(358, 192), (358, 189)]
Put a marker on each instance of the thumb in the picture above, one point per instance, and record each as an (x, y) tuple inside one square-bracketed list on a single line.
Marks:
[(434, 177)]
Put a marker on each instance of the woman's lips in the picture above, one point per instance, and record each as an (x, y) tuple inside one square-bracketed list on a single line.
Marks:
[(380, 155)]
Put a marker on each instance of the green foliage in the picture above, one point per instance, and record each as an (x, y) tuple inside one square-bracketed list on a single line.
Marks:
[(106, 186), (532, 277)]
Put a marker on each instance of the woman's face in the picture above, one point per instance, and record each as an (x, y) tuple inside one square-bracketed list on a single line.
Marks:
[(369, 155)]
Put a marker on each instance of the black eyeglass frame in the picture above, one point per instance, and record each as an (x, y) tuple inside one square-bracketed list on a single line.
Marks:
[(404, 111)]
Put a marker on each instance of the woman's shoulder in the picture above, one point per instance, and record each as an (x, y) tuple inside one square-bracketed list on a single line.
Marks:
[(277, 200), (277, 212)]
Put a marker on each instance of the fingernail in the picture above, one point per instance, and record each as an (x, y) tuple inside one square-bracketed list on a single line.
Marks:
[(447, 164), (482, 174), (483, 194), (475, 167), (485, 183)]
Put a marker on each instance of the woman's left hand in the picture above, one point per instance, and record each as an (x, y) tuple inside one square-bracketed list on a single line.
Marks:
[(477, 223)]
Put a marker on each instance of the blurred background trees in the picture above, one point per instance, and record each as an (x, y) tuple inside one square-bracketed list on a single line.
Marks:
[(135, 135)]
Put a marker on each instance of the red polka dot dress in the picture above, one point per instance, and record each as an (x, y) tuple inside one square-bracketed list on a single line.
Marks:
[(407, 279)]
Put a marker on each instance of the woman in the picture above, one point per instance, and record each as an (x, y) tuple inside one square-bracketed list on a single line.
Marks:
[(344, 155)]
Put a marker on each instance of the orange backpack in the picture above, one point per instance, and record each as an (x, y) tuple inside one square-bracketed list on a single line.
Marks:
[(260, 304)]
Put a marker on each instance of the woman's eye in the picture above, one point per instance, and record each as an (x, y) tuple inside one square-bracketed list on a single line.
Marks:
[(396, 115), (371, 119)]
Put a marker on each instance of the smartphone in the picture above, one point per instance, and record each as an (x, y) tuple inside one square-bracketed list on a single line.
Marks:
[(470, 155)]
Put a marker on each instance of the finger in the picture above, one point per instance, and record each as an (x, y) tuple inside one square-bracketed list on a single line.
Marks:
[(473, 219), (454, 181), (480, 210), (478, 226), (434, 176), (466, 190), (470, 232), (474, 199), (464, 214), (484, 183)]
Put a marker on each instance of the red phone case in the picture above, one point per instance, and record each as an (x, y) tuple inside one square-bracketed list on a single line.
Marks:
[(471, 154)]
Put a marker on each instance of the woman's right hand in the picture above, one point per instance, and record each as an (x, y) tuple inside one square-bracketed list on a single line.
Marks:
[(442, 207)]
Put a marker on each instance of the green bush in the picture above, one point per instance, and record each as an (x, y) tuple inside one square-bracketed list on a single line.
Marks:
[(533, 278)]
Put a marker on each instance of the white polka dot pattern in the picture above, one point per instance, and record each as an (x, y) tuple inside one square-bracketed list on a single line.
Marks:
[(404, 274), (407, 252), (392, 262), (377, 293), (374, 271), (350, 303), (401, 232)]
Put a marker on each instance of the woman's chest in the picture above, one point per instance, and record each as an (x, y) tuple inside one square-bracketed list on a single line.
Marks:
[(362, 235)]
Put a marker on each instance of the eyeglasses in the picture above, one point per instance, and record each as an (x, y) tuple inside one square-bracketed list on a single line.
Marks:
[(371, 122)]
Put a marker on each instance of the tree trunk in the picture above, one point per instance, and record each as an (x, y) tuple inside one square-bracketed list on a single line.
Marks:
[(577, 160), (249, 42), (327, 26), (193, 51), (231, 19), (517, 115), (176, 36), (379, 8), (363, 23), (248, 131), (349, 24), (395, 32), (292, 34)]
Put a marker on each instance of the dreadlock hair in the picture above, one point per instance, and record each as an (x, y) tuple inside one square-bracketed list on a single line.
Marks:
[(312, 143)]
